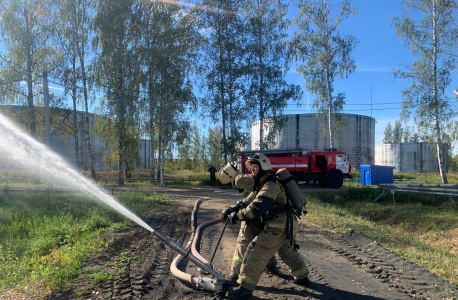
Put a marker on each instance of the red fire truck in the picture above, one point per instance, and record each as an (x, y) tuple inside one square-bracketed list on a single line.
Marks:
[(327, 168)]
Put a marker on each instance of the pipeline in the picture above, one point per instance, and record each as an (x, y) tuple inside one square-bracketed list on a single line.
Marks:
[(210, 284)]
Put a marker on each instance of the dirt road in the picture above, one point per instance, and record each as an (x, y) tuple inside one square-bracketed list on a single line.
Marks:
[(342, 266)]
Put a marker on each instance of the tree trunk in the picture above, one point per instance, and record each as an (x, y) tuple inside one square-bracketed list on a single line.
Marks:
[(440, 160), (31, 111), (86, 115), (120, 173), (330, 126), (162, 146), (261, 106), (121, 112), (160, 155), (329, 86), (222, 94), (75, 115), (152, 107), (231, 117), (152, 157)]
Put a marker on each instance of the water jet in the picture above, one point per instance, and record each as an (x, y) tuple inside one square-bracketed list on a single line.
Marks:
[(17, 146)]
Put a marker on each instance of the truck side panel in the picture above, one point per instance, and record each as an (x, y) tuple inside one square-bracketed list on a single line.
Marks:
[(293, 164)]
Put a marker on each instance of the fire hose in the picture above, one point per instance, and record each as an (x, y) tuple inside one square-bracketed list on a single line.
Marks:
[(214, 284)]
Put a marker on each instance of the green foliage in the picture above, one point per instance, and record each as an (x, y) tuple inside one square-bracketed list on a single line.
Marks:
[(397, 132), (325, 55), (27, 34), (268, 58), (168, 50), (405, 176), (117, 68), (388, 134), (223, 70), (454, 165), (214, 144), (429, 35)]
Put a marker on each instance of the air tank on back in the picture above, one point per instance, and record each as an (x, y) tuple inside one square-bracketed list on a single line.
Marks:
[(305, 131)]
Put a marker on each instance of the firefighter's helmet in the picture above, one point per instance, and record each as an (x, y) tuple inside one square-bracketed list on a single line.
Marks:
[(227, 174), (260, 159)]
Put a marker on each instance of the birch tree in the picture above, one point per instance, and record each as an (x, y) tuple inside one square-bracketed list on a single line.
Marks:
[(169, 48), (267, 62), (27, 29), (76, 20), (117, 70), (325, 55), (428, 29), (223, 71)]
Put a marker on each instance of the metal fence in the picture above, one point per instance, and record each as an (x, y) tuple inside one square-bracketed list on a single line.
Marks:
[(450, 190)]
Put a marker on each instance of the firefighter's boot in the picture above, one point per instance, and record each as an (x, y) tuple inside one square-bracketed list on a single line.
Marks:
[(271, 267), (240, 293), (232, 280), (304, 281)]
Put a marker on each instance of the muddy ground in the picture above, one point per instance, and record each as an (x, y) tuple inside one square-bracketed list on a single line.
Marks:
[(347, 266)]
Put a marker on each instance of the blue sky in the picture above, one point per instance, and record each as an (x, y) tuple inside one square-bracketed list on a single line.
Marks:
[(377, 55)]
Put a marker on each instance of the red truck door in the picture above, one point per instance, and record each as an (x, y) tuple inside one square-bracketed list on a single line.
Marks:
[(319, 163)]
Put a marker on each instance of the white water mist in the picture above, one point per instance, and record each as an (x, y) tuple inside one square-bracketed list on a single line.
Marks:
[(24, 150)]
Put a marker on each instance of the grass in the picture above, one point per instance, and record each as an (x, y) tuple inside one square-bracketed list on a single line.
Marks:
[(421, 228), (45, 239), (181, 178)]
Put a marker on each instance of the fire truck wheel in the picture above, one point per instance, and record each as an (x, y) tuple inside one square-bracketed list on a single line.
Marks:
[(335, 181)]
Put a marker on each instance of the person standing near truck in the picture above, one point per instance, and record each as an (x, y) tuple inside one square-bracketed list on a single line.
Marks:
[(212, 171), (267, 208)]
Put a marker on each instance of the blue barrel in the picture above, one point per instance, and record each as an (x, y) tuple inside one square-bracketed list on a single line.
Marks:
[(374, 174)]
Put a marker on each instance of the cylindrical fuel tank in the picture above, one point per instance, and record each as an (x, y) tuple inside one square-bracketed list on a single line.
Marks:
[(305, 131), (409, 157)]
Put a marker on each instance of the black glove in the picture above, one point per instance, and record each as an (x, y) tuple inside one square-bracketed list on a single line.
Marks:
[(234, 217), (240, 204), (225, 213), (237, 206)]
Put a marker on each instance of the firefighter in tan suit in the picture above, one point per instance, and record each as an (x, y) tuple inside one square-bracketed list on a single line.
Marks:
[(247, 232), (267, 209)]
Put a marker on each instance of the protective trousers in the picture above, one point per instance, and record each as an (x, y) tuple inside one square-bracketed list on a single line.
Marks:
[(246, 234), (270, 241)]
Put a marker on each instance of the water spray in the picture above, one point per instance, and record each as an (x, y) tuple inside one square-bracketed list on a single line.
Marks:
[(21, 148)]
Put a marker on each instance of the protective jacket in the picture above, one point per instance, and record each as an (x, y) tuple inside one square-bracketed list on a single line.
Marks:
[(266, 200)]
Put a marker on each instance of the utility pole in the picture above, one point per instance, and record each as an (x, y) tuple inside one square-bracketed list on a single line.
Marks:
[(371, 100), (47, 123)]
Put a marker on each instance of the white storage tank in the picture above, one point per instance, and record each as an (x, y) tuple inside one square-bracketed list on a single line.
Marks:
[(305, 131), (64, 145), (408, 157)]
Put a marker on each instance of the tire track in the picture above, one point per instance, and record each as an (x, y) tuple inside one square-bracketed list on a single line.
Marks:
[(386, 268)]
